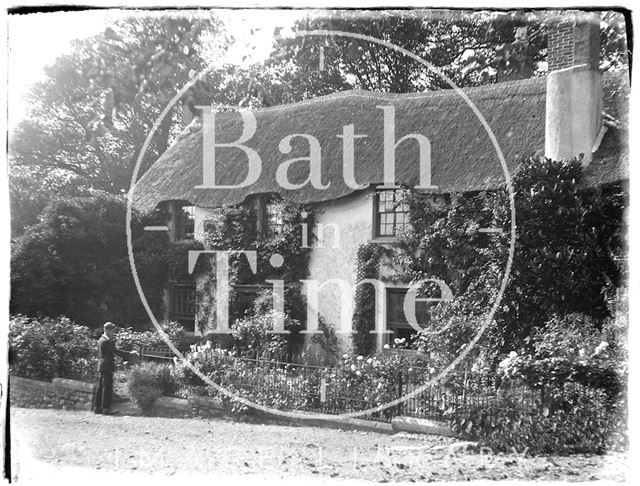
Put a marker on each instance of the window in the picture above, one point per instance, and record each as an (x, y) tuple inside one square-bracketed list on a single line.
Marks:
[(245, 298), (391, 212), (273, 217), (396, 319), (269, 212), (184, 225), (183, 304)]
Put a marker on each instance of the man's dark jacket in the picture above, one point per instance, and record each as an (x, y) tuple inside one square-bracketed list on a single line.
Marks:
[(106, 354)]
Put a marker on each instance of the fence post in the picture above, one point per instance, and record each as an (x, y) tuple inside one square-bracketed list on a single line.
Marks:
[(400, 387)]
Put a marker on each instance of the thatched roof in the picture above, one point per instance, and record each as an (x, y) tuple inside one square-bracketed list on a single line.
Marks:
[(463, 157)]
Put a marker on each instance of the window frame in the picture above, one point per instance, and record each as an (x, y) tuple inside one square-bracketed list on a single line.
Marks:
[(265, 228), (180, 227), (377, 214), (179, 315), (403, 326)]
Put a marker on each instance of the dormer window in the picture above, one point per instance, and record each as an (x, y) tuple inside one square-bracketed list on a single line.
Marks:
[(391, 212)]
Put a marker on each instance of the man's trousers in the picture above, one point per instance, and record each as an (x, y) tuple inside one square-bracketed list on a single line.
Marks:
[(104, 392)]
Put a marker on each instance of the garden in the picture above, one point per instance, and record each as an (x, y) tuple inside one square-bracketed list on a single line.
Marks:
[(549, 374), (566, 397)]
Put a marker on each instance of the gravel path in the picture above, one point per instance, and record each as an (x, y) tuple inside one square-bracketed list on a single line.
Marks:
[(74, 444)]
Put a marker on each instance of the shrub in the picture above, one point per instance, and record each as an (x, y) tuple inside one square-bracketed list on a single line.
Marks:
[(129, 339), (589, 425), (48, 348), (74, 262), (148, 381), (572, 349), (253, 333)]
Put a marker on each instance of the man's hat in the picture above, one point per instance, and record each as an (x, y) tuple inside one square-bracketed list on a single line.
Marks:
[(109, 325)]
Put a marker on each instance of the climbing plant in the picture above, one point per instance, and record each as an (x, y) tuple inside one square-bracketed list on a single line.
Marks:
[(236, 228), (364, 315), (568, 248)]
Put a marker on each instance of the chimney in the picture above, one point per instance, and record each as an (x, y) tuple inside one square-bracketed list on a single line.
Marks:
[(574, 91)]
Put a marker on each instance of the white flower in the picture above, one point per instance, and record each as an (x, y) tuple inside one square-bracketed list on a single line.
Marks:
[(369, 361), (353, 367), (360, 358), (581, 352), (601, 347), (432, 370), (386, 346), (208, 345), (359, 373), (513, 354), (345, 356)]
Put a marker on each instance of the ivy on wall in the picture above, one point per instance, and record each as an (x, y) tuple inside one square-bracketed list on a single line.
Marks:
[(236, 228), (364, 315)]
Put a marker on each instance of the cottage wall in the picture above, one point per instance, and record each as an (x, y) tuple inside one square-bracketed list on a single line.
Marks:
[(336, 258)]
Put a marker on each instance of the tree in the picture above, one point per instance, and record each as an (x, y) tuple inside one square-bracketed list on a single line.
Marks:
[(88, 119), (75, 263), (469, 47), (568, 248)]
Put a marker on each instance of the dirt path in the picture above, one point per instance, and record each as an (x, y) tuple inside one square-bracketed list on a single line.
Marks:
[(46, 442)]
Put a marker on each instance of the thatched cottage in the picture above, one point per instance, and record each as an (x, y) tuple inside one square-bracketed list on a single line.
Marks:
[(561, 116)]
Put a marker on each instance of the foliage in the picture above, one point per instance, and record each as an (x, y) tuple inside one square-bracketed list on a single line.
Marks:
[(129, 339), (569, 239), (354, 384), (590, 424), (327, 341), (48, 348), (89, 117), (146, 382), (236, 228), (364, 315), (255, 334), (572, 350), (470, 47), (75, 262)]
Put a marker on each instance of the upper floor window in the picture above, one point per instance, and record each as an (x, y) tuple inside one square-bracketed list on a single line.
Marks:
[(184, 222), (273, 217), (269, 212), (391, 212)]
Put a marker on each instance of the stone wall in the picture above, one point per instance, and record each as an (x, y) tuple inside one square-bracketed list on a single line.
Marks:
[(60, 393)]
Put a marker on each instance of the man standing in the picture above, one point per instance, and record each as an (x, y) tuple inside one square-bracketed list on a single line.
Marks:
[(106, 366)]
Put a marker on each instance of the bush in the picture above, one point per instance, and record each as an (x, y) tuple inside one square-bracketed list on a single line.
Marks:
[(589, 425), (253, 334), (573, 349), (129, 339), (75, 262), (148, 381), (355, 384), (48, 348)]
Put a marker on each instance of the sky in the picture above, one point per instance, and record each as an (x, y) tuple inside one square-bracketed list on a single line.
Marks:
[(36, 40)]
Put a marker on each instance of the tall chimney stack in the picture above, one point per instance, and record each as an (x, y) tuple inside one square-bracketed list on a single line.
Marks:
[(574, 86)]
